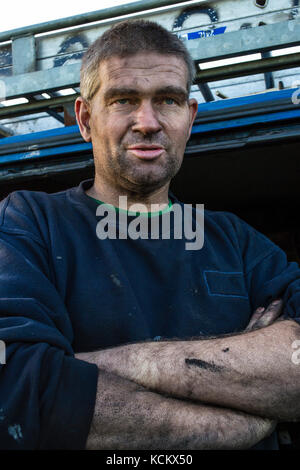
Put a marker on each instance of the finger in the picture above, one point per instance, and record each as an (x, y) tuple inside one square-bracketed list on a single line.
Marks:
[(255, 317), (271, 313), (274, 309)]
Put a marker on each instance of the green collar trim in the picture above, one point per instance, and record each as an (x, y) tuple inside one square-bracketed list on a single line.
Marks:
[(130, 213)]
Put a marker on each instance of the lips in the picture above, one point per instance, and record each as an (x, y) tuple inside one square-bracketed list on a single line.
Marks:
[(147, 152)]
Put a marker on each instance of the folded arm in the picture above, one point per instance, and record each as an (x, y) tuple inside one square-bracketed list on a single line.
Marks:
[(128, 416), (252, 372)]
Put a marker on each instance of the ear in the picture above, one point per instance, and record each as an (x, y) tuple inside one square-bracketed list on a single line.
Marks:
[(193, 108), (82, 111)]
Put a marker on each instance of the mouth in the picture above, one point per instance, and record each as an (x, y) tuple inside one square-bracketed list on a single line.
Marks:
[(146, 152)]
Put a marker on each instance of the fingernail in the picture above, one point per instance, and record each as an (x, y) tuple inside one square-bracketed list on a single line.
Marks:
[(276, 302)]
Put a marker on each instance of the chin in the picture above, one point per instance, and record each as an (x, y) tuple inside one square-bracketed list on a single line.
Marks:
[(146, 184)]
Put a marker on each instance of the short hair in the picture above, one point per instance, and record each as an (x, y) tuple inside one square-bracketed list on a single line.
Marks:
[(128, 38)]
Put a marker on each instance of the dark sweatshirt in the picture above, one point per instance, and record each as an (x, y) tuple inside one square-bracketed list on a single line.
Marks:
[(63, 290)]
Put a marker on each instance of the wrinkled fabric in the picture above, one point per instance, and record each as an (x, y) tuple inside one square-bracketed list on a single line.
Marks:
[(63, 290)]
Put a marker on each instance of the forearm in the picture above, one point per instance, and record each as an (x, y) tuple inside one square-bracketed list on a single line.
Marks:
[(128, 416), (252, 372)]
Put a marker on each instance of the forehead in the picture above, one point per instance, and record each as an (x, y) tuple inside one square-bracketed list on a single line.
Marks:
[(143, 71)]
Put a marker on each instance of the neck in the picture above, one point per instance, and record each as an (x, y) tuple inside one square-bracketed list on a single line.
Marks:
[(110, 195)]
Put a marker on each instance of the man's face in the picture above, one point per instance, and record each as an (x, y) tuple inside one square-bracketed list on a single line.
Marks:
[(139, 120)]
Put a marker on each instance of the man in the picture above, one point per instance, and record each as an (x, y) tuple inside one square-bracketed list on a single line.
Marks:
[(72, 298)]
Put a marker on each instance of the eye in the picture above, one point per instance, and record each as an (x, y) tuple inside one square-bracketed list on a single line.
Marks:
[(122, 101), (168, 101)]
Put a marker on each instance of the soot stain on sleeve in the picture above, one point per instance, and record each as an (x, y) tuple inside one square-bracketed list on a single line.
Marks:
[(203, 365)]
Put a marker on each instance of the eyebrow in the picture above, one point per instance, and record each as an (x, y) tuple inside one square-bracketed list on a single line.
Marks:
[(179, 92)]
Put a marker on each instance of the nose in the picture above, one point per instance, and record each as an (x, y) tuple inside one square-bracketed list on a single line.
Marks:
[(145, 119)]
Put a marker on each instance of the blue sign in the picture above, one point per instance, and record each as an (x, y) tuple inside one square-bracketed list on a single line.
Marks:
[(202, 33)]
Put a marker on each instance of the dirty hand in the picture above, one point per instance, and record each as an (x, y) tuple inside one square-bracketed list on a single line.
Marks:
[(265, 316)]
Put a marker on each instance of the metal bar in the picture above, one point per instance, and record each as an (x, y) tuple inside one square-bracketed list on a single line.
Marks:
[(269, 79), (230, 44), (56, 115), (248, 68), (23, 55), (206, 92), (76, 20), (243, 111), (33, 154), (61, 135), (247, 121), (40, 140), (35, 83), (246, 41), (5, 132), (240, 139), (63, 167), (29, 108), (266, 99)]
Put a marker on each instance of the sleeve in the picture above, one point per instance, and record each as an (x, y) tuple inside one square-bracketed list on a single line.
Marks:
[(47, 397), (268, 274)]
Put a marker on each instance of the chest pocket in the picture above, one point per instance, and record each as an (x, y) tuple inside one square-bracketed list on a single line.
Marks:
[(226, 284)]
